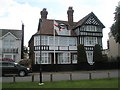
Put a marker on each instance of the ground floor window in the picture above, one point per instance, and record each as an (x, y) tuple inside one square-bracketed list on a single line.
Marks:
[(89, 56), (64, 58), (74, 58), (10, 56), (45, 58)]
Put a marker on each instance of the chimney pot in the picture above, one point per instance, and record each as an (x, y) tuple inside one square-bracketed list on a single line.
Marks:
[(44, 13), (70, 15)]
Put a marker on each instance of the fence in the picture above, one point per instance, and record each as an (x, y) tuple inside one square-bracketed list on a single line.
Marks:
[(62, 76)]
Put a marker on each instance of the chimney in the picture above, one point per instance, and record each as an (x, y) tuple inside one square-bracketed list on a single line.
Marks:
[(70, 15), (44, 13)]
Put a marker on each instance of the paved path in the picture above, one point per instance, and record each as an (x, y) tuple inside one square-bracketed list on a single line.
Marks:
[(56, 76)]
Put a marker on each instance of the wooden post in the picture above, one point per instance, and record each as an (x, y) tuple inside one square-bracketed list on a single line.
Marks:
[(32, 78), (14, 78), (51, 77), (70, 76), (108, 75), (90, 77)]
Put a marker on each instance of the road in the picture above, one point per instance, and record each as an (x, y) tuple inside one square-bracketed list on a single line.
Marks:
[(56, 76)]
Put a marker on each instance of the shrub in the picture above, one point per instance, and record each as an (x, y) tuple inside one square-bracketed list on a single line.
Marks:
[(25, 62), (97, 53), (81, 54)]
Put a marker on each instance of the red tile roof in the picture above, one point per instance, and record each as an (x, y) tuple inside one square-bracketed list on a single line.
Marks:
[(47, 27)]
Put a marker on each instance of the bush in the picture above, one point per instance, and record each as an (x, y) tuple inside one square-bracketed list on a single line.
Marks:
[(81, 54), (105, 58), (25, 62), (97, 54)]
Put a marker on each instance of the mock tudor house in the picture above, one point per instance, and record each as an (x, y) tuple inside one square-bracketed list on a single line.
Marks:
[(58, 40)]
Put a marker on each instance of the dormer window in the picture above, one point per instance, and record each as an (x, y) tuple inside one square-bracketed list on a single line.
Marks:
[(63, 25)]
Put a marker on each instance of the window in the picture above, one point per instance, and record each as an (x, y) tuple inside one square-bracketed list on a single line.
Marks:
[(45, 58), (91, 41), (44, 40), (51, 40), (82, 28), (8, 43), (89, 56), (64, 58), (74, 58), (72, 41), (8, 56), (63, 41), (10, 65), (91, 28), (4, 64)]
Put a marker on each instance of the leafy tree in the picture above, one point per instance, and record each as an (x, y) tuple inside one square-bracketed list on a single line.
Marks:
[(81, 54), (115, 28), (97, 53)]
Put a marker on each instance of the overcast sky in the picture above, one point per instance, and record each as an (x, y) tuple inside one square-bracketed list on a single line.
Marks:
[(12, 12)]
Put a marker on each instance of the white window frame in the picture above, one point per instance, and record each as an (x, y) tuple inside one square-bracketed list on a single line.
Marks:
[(89, 56), (62, 60), (74, 58), (90, 41), (46, 58), (12, 56)]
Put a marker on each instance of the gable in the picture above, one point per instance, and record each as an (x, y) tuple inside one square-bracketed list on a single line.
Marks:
[(8, 35), (16, 33), (92, 21)]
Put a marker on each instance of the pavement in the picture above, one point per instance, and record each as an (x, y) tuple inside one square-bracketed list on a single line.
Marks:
[(56, 76)]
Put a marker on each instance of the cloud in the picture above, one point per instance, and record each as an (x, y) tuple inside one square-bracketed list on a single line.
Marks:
[(20, 12), (12, 12)]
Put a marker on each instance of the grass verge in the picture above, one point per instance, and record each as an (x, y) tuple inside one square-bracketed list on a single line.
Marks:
[(95, 83)]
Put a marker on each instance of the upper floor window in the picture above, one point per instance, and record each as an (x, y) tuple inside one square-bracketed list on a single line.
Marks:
[(8, 43), (44, 40), (72, 41), (91, 41), (36, 40), (91, 28)]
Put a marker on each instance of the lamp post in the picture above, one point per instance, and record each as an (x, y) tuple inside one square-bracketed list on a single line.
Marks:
[(40, 65)]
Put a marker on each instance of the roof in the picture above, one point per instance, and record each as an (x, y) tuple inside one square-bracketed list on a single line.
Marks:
[(83, 20), (46, 27), (16, 33)]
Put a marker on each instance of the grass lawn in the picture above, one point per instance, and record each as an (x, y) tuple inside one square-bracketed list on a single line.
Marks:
[(95, 83)]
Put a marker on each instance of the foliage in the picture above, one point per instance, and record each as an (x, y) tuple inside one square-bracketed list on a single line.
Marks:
[(105, 58), (115, 28), (81, 54), (25, 62), (97, 53)]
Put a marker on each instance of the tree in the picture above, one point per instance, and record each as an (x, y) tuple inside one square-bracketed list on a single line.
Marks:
[(97, 54), (115, 28), (81, 54)]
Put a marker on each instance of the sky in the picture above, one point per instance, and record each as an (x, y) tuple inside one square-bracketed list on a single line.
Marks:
[(15, 12)]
